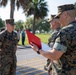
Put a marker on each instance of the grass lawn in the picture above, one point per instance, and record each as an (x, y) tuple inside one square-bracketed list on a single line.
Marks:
[(43, 37)]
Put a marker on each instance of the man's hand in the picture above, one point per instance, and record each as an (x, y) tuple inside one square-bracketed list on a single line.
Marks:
[(34, 47)]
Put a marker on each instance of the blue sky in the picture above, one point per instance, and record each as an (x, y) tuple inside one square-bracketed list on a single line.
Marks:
[(19, 15)]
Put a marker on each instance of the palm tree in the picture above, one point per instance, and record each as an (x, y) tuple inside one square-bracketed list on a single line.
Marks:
[(14, 3), (39, 10)]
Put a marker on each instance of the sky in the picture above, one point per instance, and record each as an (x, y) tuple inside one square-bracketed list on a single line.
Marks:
[(19, 15)]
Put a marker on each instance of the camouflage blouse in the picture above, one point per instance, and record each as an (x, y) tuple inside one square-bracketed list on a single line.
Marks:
[(8, 46), (66, 42), (53, 36)]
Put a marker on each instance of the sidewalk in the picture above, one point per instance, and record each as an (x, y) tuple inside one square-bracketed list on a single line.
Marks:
[(29, 62)]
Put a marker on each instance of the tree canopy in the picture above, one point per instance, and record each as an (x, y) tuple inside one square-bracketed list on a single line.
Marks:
[(37, 8), (13, 3)]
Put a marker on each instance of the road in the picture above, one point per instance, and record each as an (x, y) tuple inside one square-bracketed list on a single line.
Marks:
[(29, 62)]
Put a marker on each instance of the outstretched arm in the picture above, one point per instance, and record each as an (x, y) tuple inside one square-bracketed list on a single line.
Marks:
[(52, 54)]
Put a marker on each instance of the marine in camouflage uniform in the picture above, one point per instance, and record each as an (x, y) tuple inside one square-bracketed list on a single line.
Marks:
[(8, 46), (52, 38), (64, 49), (51, 43), (67, 38), (66, 42)]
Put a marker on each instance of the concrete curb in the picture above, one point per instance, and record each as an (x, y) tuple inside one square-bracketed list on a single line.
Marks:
[(23, 46)]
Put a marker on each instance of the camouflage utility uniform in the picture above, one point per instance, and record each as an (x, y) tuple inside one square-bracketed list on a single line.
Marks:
[(8, 46), (66, 42), (51, 41)]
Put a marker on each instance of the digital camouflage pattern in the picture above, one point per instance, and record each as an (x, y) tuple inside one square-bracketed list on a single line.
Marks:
[(63, 8), (51, 41), (52, 38), (8, 46), (67, 38)]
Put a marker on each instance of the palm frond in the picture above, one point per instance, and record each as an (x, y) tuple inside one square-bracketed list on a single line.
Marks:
[(3, 2)]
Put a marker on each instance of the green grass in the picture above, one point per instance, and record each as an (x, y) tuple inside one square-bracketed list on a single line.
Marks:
[(43, 37)]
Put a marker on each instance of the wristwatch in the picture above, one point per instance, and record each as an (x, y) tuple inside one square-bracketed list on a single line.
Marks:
[(38, 51)]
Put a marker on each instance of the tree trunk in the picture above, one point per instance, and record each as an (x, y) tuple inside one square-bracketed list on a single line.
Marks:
[(12, 7), (33, 26)]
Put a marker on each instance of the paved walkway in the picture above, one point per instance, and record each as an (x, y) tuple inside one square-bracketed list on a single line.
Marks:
[(29, 62)]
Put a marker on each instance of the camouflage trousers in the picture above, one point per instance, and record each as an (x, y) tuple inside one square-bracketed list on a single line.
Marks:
[(8, 65), (60, 72), (71, 72), (56, 68), (9, 69)]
